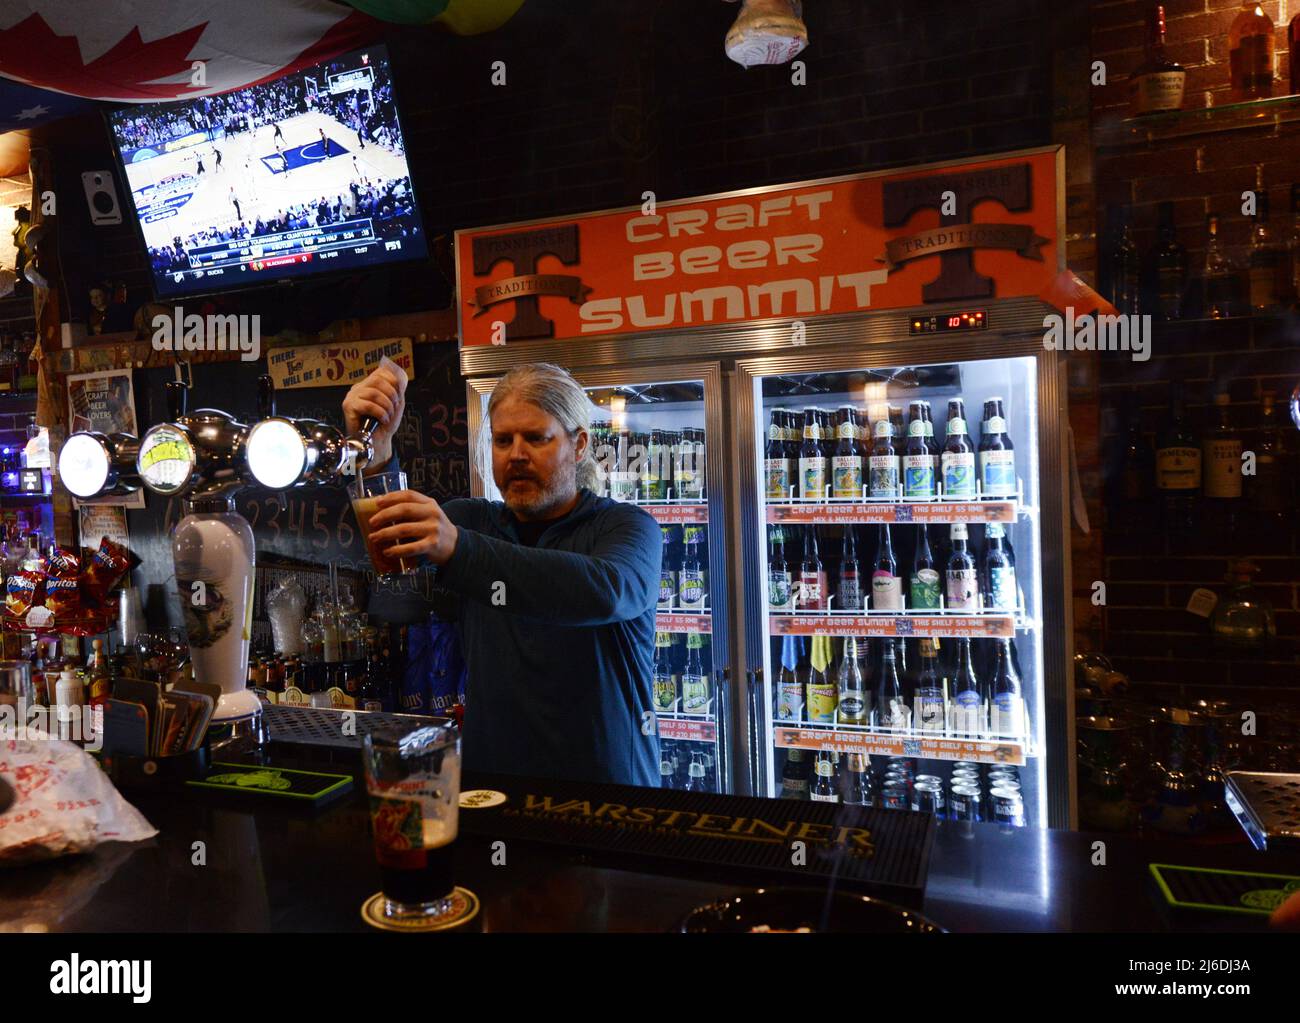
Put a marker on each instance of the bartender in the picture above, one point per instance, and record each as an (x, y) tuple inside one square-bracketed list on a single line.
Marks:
[(558, 587)]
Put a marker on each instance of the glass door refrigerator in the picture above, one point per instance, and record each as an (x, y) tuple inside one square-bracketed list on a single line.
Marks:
[(660, 444), (903, 562)]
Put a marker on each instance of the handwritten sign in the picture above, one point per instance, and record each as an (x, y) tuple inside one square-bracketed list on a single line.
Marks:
[(335, 365)]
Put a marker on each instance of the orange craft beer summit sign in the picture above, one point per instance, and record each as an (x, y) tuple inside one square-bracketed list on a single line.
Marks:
[(974, 231)]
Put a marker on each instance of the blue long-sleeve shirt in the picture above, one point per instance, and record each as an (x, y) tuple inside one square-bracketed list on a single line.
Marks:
[(559, 639)]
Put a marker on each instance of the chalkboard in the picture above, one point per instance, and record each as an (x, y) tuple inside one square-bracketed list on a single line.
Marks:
[(309, 527)]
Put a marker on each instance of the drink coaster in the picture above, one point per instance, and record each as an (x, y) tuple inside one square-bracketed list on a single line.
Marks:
[(464, 907)]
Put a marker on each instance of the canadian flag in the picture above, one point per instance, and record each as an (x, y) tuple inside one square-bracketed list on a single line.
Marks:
[(131, 51)]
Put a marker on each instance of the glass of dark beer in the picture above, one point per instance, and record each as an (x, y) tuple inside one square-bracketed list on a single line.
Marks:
[(365, 497), (413, 779)]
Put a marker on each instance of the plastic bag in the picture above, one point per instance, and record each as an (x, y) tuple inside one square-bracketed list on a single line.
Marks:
[(65, 804)]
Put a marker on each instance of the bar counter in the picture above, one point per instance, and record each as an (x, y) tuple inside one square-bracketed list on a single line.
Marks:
[(275, 868)]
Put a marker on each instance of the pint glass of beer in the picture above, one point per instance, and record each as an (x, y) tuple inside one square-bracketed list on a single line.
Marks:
[(413, 779), (365, 494)]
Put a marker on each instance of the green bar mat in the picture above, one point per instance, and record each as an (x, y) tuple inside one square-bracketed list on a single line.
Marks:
[(252, 779), (1223, 891)]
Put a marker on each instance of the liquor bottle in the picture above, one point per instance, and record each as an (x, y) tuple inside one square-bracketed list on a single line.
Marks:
[(1178, 467), (812, 459), (1170, 265), (999, 569), (695, 774), (890, 710), (1125, 266), (997, 456), (1130, 486), (692, 593), (780, 588), (851, 691), (825, 788), (970, 702), (811, 595), (1221, 463), (958, 460), (963, 586), (923, 587), (821, 689), (1293, 239), (1158, 83), (1250, 53), (1218, 280), (918, 461), (776, 462), (850, 596), (98, 677), (1270, 487), (846, 464), (886, 586), (663, 681), (884, 462), (695, 682), (858, 790), (1267, 267), (667, 572), (1007, 703), (790, 694), (928, 706), (794, 775)]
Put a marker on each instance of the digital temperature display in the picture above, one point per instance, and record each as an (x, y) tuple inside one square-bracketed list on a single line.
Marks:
[(973, 320)]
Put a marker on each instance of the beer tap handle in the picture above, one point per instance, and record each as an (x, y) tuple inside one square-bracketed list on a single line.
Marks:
[(265, 396), (177, 399), (360, 448)]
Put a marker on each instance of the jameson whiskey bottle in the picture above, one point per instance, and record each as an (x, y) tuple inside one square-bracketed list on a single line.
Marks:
[(924, 582), (1250, 53), (1221, 463), (918, 461), (663, 681), (812, 459), (776, 462), (1159, 83), (1178, 467), (846, 463), (958, 460)]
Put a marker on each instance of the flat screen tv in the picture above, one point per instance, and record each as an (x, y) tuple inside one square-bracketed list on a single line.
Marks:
[(303, 175)]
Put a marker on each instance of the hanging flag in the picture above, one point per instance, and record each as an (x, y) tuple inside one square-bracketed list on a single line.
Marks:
[(463, 17), (143, 50), (22, 106)]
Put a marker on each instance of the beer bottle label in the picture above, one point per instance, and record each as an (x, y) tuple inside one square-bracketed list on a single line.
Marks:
[(1221, 463), (958, 473), (998, 471), (1159, 90), (1002, 587), (1008, 715), (956, 426), (846, 431), (894, 713), (850, 595), (918, 476), (846, 473), (811, 593), (962, 590), (293, 697), (622, 486), (794, 788), (925, 590), (916, 428), (777, 471), (886, 591), (812, 478), (667, 590), (852, 708), (691, 590), (372, 705), (665, 692), (821, 703), (789, 703), (779, 591), (695, 694), (929, 710), (967, 712), (884, 475), (1178, 468), (829, 798)]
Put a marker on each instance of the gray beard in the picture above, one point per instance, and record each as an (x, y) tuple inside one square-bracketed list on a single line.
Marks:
[(557, 493)]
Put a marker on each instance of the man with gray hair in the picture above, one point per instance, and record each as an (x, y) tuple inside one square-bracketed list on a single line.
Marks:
[(558, 587)]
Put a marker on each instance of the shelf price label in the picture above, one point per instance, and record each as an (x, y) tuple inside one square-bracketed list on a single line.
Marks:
[(666, 621), (678, 514), (690, 730), (952, 626), (874, 513), (888, 745)]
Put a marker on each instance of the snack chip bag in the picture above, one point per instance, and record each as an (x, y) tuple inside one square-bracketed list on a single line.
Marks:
[(104, 569)]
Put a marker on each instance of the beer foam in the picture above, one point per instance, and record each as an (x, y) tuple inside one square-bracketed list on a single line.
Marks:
[(438, 832)]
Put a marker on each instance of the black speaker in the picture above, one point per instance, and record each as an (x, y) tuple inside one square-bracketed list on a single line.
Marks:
[(101, 197)]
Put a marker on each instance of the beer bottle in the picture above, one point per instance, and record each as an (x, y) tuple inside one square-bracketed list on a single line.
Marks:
[(849, 597), (695, 774), (821, 697), (695, 683), (924, 582), (999, 569), (793, 443), (886, 586), (928, 710), (891, 703), (846, 465), (653, 486), (812, 459), (825, 789), (957, 462), (997, 457), (99, 681), (963, 587), (780, 591), (667, 773), (789, 701), (639, 465), (918, 462), (851, 691), (970, 702), (930, 442), (794, 775), (884, 462), (691, 595), (812, 576), (1007, 707), (1178, 467), (857, 786), (667, 574), (663, 681), (776, 464)]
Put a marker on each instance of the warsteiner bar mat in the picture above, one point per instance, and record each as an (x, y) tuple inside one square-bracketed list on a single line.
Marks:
[(726, 838)]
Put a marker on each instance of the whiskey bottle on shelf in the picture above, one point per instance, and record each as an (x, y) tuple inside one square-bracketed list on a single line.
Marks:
[(1270, 489), (1267, 265), (1125, 265), (1250, 53), (1221, 463), (1158, 84), (1170, 260), (1217, 278), (1178, 468)]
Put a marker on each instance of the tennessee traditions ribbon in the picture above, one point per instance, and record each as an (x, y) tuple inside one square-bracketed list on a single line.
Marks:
[(931, 242), (563, 285)]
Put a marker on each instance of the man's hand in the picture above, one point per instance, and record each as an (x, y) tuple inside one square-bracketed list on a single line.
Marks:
[(414, 525), (380, 396)]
